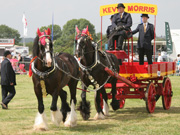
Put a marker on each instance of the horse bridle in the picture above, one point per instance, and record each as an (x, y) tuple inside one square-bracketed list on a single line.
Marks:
[(96, 61), (43, 53), (42, 75)]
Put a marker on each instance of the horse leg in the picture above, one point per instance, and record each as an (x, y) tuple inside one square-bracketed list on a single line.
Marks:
[(56, 115), (64, 105), (99, 114), (114, 103), (40, 120), (105, 104), (71, 120), (84, 107)]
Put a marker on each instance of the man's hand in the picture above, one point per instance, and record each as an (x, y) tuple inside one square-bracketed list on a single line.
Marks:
[(11, 83)]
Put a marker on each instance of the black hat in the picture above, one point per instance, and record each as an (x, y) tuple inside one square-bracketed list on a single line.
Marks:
[(120, 5), (112, 16), (6, 53), (145, 15)]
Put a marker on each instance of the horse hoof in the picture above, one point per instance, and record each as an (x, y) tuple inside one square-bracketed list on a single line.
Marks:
[(40, 122), (115, 105), (56, 117), (72, 117), (84, 109), (99, 116), (40, 129)]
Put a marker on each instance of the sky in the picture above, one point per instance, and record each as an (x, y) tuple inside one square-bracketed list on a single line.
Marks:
[(39, 13)]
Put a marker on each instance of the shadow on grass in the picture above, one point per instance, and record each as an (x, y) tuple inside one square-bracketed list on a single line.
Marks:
[(140, 113), (90, 128), (142, 110), (22, 108)]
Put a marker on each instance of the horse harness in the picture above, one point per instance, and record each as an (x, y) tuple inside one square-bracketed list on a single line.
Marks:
[(88, 69)]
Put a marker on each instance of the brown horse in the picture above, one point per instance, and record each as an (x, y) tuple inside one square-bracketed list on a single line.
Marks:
[(50, 75), (93, 63)]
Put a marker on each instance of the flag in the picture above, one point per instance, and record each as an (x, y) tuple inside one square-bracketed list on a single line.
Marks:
[(24, 21), (169, 42)]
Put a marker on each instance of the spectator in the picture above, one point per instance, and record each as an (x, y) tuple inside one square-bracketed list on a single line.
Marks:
[(135, 57), (160, 59), (8, 80)]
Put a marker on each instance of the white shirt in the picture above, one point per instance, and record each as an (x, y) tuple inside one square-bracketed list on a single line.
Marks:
[(121, 14), (178, 58), (160, 59), (8, 59)]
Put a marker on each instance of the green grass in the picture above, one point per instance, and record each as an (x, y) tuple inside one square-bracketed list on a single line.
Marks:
[(133, 119)]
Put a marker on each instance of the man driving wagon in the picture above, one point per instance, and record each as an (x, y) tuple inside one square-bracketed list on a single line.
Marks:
[(122, 23)]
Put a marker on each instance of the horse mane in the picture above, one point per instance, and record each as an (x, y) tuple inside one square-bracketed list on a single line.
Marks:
[(35, 50), (90, 36)]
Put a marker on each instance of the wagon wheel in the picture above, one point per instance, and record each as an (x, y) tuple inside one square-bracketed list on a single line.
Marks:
[(167, 93), (150, 98), (121, 100)]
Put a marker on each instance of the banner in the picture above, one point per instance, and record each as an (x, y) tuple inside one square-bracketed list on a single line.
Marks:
[(169, 43), (7, 41), (140, 8)]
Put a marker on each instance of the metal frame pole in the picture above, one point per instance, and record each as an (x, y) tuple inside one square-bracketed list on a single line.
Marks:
[(154, 38), (101, 32)]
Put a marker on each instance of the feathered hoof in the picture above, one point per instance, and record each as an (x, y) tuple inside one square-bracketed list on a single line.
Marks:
[(99, 116), (40, 122), (71, 120), (56, 117), (115, 105), (105, 108), (84, 109)]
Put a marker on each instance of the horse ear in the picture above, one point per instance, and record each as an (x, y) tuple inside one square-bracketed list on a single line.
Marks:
[(38, 32), (77, 30), (48, 31), (86, 30)]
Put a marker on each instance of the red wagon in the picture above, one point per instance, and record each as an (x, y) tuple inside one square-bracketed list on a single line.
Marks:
[(147, 82)]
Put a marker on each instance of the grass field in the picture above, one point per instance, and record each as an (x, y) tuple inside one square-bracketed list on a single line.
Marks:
[(133, 119)]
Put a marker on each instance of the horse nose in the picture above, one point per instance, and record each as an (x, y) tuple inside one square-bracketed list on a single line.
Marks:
[(48, 60), (48, 63)]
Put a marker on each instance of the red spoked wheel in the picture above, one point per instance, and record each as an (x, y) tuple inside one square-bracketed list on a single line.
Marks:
[(167, 93), (121, 100), (150, 98)]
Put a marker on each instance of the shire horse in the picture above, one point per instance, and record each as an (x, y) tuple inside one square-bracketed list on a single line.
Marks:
[(93, 62), (48, 78)]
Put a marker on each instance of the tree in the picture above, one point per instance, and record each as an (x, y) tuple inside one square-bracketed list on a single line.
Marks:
[(68, 33), (56, 30), (7, 32)]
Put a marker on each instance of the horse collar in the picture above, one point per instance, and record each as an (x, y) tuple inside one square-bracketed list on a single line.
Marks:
[(96, 61), (43, 75)]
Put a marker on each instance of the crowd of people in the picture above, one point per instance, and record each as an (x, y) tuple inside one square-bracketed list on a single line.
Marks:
[(178, 65), (17, 64)]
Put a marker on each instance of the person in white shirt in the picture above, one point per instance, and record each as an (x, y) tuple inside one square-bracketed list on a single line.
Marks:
[(160, 59)]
